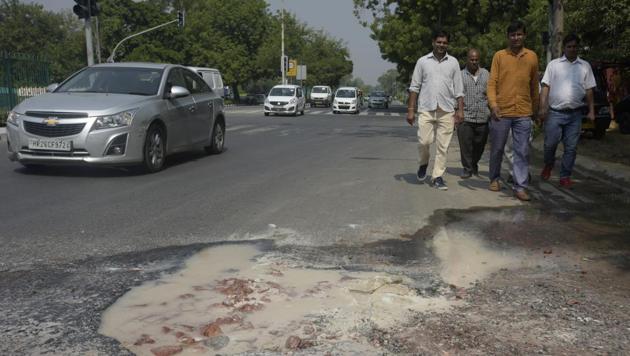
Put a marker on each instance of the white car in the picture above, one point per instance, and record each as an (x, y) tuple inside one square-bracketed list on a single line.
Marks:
[(347, 100), (285, 99), (212, 77), (321, 95)]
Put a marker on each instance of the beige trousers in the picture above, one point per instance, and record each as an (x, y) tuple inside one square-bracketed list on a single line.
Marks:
[(435, 126)]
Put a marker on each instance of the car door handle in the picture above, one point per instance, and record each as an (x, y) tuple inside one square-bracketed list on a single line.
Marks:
[(210, 104), (192, 108)]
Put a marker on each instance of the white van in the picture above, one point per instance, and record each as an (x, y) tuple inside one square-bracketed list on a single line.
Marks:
[(212, 77), (285, 99), (347, 100), (321, 95)]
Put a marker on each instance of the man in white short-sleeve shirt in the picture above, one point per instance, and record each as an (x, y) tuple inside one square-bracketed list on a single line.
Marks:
[(567, 81)]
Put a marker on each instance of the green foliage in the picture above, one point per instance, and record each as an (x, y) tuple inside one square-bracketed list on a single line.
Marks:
[(603, 27), (403, 29), (240, 38), (28, 28)]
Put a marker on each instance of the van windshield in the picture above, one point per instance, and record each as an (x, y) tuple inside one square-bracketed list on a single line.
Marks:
[(282, 92), (319, 90), (346, 93)]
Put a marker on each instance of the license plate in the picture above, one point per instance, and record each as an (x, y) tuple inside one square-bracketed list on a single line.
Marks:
[(51, 145)]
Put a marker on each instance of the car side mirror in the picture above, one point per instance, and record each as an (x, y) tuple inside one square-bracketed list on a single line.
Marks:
[(178, 92), (52, 87)]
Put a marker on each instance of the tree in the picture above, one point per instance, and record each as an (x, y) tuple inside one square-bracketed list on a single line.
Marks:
[(403, 29), (327, 59), (604, 28), (29, 29)]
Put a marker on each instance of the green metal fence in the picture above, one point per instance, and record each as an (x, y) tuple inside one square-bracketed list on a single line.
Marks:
[(21, 76)]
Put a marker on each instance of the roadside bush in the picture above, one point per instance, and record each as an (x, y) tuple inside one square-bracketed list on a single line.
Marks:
[(3, 118)]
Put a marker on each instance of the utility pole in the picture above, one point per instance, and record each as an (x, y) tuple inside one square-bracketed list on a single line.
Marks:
[(283, 58), (88, 41), (556, 28)]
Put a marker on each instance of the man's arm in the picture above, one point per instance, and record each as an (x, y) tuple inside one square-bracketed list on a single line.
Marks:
[(591, 104), (544, 107), (414, 89), (534, 84), (459, 114), (458, 82), (589, 84), (493, 82), (411, 107)]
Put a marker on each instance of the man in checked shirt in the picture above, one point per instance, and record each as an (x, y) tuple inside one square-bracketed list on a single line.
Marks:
[(473, 132)]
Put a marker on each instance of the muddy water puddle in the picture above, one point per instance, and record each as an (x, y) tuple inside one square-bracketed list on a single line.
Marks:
[(235, 298)]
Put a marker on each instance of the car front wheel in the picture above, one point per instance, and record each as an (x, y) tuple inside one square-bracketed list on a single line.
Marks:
[(154, 149)]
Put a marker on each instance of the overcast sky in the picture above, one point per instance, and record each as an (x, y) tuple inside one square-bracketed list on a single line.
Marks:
[(333, 16)]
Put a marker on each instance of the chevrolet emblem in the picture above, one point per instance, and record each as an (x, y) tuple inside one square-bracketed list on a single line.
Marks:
[(51, 121)]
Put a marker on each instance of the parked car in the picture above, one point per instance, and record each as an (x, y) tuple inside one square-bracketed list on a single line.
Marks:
[(285, 99), (212, 77), (118, 114), (378, 99), (321, 95)]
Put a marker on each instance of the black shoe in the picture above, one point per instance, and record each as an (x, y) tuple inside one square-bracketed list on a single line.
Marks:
[(467, 174), (422, 172), (440, 184)]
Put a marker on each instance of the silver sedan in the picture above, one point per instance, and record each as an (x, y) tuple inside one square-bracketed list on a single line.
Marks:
[(118, 114)]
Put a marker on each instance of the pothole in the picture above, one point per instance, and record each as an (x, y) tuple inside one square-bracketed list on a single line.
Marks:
[(229, 299), (235, 298)]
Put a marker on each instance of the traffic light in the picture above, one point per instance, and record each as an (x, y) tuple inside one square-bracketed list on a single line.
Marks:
[(180, 18), (81, 9), (86, 8), (95, 8), (285, 64)]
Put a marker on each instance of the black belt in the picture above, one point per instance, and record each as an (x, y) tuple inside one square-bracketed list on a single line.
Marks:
[(567, 110)]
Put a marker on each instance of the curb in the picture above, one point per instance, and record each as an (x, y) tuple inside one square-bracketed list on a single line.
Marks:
[(595, 169)]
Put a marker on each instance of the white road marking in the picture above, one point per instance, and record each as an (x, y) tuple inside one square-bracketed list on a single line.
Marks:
[(238, 127), (380, 114), (258, 130)]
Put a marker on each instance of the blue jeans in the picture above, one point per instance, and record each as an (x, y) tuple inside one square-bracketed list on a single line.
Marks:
[(565, 126), (499, 131)]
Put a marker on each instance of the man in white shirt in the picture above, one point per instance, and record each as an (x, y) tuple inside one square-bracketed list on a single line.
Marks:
[(567, 81), (437, 83)]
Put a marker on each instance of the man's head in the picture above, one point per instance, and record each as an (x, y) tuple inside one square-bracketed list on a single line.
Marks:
[(516, 34), (440, 42), (472, 60), (570, 46)]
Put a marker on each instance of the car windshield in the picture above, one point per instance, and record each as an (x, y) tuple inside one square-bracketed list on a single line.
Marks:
[(377, 94), (319, 90), (282, 92), (114, 80), (346, 93)]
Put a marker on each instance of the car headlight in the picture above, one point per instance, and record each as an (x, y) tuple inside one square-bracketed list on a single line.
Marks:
[(14, 118), (116, 120), (267, 102), (354, 101), (293, 101)]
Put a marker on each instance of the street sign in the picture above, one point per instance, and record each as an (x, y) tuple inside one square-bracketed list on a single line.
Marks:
[(301, 72), (292, 71)]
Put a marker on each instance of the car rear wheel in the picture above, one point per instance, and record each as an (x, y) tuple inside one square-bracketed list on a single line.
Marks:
[(266, 114), (154, 149), (218, 139)]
